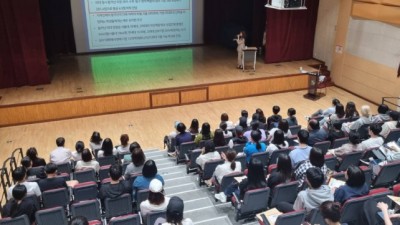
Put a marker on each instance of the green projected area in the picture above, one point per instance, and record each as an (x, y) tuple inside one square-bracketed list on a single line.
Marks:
[(154, 66)]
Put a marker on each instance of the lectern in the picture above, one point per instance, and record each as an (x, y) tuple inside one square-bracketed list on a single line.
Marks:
[(313, 79), (249, 54)]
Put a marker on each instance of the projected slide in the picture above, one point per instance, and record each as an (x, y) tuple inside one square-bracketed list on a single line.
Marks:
[(115, 24)]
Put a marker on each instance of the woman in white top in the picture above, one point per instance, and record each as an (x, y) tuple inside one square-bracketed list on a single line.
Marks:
[(175, 213), (77, 155), (208, 153), (228, 167), (95, 141), (278, 142), (156, 200), (283, 125), (224, 127), (87, 161), (241, 43), (107, 148), (124, 147)]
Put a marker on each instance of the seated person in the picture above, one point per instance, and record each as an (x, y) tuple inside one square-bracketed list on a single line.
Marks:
[(33, 155), (128, 158), (292, 120), (382, 115), (175, 213), (107, 149), (330, 211), (244, 118), (355, 185), (61, 154), (116, 187), (316, 159), (156, 200), (138, 159), (87, 162), (228, 167), (183, 136), (224, 127), (124, 147), (328, 111), (149, 173), (365, 118), (375, 140), (19, 205), (283, 173), (313, 196), (254, 145), (335, 132), (255, 126), (239, 138), (194, 127), (19, 177), (391, 124), (77, 155), (339, 114), (351, 110), (273, 120), (353, 146), (219, 139), (205, 134), (278, 142), (261, 117), (52, 181), (301, 152), (255, 179), (208, 153), (95, 141), (283, 125), (316, 134), (225, 118)]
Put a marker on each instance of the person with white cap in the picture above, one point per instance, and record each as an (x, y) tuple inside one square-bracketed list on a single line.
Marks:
[(156, 200), (175, 213)]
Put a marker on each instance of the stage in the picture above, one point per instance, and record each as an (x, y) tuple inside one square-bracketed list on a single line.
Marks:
[(95, 84)]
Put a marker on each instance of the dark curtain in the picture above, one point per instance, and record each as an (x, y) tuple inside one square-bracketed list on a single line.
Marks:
[(223, 19), (290, 33), (57, 27), (22, 54)]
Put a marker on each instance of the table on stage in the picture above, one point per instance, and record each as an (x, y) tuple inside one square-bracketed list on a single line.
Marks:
[(250, 55)]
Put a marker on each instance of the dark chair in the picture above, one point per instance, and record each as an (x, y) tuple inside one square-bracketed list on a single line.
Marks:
[(51, 216), (133, 176), (89, 209), (85, 191), (275, 154), (36, 171), (339, 176), (352, 209), (387, 175), (64, 168), (107, 160), (350, 159), (284, 193), (222, 149), (254, 201), (124, 166), (380, 195), (296, 217), (315, 217), (368, 174), (226, 181), (65, 176), (156, 217), (339, 142), (85, 175), (118, 206), (262, 156), (20, 220), (363, 131), (295, 129), (55, 197), (242, 160), (104, 172), (323, 145), (183, 149), (393, 135), (121, 156), (208, 171), (238, 147), (141, 196), (132, 219), (191, 165), (330, 162), (35, 199)]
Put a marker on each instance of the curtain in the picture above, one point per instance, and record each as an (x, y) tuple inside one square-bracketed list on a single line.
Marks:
[(290, 33), (22, 55)]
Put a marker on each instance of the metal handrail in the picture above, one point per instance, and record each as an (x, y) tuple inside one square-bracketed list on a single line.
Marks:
[(384, 100), (13, 155)]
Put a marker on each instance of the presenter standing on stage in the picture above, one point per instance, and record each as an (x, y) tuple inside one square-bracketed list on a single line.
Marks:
[(241, 42)]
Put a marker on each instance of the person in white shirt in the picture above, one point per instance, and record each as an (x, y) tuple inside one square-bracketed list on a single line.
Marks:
[(278, 142), (208, 153), (95, 141), (77, 155), (375, 140), (225, 118), (87, 162), (156, 200), (389, 125), (223, 126), (60, 155), (19, 176), (228, 167), (124, 147), (175, 213)]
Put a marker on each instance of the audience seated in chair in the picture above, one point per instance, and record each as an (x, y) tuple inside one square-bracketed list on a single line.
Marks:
[(283, 173), (283, 125), (353, 146), (205, 133), (87, 162), (224, 127), (60, 155), (149, 173), (312, 197), (19, 177), (261, 116), (219, 139), (355, 185), (292, 120), (273, 120), (391, 124), (328, 111), (95, 141), (194, 127), (208, 153), (124, 147), (365, 118), (351, 110), (52, 181), (225, 118), (278, 142), (254, 145), (382, 115), (335, 132), (333, 118), (107, 148), (255, 126), (375, 140), (116, 187), (138, 159), (330, 212), (19, 205), (77, 154), (244, 119), (239, 137), (228, 167), (156, 201), (128, 158), (175, 213), (33, 155), (302, 151), (316, 159), (316, 134)]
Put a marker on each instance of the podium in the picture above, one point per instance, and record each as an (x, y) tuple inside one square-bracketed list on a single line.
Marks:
[(249, 55), (313, 80)]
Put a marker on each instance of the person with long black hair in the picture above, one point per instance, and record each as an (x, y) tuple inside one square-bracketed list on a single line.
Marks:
[(205, 133), (283, 172), (175, 213)]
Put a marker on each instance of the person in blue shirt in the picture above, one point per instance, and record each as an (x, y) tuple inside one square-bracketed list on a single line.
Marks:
[(355, 185), (183, 135), (254, 145), (149, 173)]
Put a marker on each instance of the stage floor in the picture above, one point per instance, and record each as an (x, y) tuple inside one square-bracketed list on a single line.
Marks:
[(113, 73)]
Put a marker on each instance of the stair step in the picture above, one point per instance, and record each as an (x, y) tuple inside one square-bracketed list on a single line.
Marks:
[(202, 214), (197, 203), (191, 194), (179, 188), (178, 181), (223, 220)]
